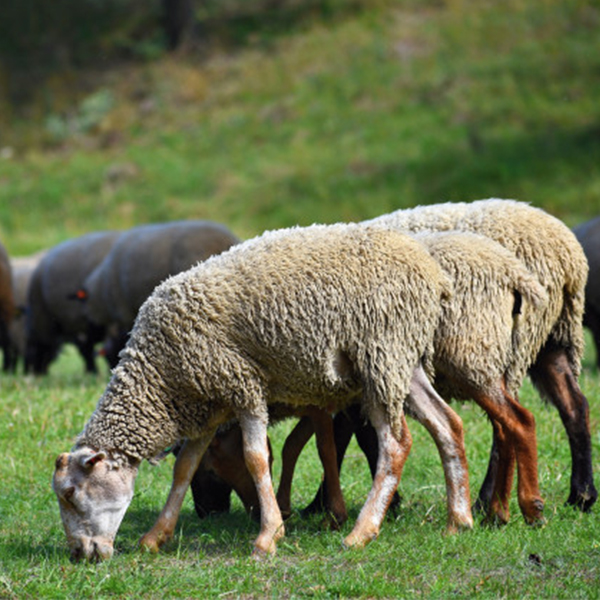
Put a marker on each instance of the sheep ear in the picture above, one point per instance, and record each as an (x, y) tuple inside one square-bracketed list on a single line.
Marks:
[(88, 461)]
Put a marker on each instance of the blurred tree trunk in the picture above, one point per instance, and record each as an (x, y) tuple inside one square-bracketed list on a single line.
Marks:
[(178, 18)]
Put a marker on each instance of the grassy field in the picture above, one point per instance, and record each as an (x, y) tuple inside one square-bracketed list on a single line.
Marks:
[(211, 558), (400, 104)]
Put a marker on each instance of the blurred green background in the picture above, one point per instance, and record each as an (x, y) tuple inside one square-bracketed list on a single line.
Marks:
[(268, 113)]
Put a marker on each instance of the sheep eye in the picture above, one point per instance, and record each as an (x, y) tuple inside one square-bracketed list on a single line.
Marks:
[(68, 494)]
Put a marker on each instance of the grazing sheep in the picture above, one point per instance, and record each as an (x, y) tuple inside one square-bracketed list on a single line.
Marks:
[(551, 342), (321, 315), (7, 308), (588, 235), (22, 270), (142, 258), (474, 343), (54, 317)]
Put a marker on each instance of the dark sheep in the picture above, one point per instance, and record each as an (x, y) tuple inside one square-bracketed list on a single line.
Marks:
[(54, 317), (7, 307), (588, 235), (22, 271), (142, 258)]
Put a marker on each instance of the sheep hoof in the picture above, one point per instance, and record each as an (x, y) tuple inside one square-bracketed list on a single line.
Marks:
[(151, 542), (533, 516), (260, 554), (583, 499), (356, 541)]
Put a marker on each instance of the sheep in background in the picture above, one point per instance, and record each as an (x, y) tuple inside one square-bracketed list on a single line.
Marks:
[(588, 235), (54, 316), (320, 315), (143, 257), (22, 270), (551, 343), (7, 308)]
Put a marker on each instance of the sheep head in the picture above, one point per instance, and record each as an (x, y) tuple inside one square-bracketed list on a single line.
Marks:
[(94, 492)]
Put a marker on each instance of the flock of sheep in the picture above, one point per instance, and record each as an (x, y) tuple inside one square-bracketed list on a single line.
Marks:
[(348, 327)]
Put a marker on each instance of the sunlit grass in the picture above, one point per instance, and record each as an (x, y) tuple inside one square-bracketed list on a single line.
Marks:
[(211, 558)]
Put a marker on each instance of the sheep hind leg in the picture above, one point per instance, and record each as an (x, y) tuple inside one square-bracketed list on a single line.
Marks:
[(445, 426), (553, 376), (493, 501), (323, 426), (393, 453), (256, 455), (343, 428), (519, 426), (293, 446), (185, 466)]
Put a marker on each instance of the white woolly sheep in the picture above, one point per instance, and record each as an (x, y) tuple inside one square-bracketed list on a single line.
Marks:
[(320, 315), (551, 339), (474, 343)]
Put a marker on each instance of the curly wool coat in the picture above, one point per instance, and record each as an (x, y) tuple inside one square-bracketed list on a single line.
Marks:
[(481, 327), (548, 249), (317, 314)]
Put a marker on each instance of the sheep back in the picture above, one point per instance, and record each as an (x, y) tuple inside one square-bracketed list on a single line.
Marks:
[(142, 258), (542, 242), (480, 327)]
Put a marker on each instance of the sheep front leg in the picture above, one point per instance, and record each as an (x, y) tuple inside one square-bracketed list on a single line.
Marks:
[(392, 456), (446, 428), (256, 455), (185, 466)]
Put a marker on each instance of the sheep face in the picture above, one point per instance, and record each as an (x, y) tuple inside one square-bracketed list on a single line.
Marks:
[(93, 494)]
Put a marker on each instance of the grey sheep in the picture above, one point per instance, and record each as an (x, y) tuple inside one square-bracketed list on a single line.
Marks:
[(552, 338), (7, 308), (588, 235), (54, 316), (320, 315), (22, 270), (143, 257)]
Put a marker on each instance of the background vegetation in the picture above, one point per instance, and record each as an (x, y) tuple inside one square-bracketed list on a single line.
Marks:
[(272, 114)]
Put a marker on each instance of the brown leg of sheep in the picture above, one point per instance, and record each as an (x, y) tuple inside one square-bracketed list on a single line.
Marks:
[(446, 428), (256, 455), (343, 427), (392, 456), (323, 425), (497, 507), (518, 424), (553, 376), (293, 446), (320, 422), (185, 466)]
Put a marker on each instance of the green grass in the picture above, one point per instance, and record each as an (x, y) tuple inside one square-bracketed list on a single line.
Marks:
[(402, 104), (211, 558)]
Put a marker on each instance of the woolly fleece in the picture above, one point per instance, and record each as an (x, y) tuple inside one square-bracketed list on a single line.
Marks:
[(544, 244), (317, 314)]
